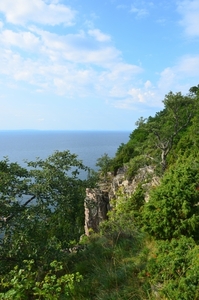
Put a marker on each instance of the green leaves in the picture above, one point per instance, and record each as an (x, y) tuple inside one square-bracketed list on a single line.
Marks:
[(173, 206), (104, 163), (42, 211), (54, 284), (174, 269)]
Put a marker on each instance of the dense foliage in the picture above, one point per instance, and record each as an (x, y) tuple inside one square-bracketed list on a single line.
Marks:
[(173, 207), (42, 215), (155, 138), (145, 250)]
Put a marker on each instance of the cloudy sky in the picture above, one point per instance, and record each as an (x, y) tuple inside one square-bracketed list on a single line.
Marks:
[(93, 64)]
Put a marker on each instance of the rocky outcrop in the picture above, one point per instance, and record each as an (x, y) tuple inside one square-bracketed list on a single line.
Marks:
[(96, 208), (97, 201)]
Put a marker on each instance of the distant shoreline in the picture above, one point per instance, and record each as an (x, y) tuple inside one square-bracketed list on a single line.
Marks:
[(61, 130)]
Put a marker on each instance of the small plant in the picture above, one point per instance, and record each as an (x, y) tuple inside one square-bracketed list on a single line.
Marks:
[(23, 283)]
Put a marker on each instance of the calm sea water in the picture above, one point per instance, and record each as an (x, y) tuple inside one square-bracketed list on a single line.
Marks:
[(88, 145)]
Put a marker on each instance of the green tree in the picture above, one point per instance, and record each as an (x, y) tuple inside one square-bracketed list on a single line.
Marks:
[(194, 90), (173, 208), (42, 214), (104, 163), (134, 147), (166, 126)]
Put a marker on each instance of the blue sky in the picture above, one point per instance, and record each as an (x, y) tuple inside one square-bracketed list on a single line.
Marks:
[(93, 64)]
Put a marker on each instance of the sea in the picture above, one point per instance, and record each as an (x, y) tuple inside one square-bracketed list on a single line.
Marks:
[(23, 145)]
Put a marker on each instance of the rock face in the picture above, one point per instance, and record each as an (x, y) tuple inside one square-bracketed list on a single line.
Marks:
[(97, 201), (96, 208)]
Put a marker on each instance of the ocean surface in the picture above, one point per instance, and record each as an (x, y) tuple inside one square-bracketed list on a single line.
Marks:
[(19, 146)]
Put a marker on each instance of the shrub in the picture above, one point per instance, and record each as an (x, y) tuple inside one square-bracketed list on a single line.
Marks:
[(173, 208)]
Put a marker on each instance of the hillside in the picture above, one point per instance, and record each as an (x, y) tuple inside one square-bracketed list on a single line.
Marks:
[(151, 186), (142, 217)]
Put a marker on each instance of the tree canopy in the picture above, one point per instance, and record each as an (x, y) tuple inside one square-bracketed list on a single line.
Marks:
[(42, 213)]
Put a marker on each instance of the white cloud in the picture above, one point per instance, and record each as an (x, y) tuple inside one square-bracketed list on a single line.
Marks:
[(38, 11), (119, 78), (99, 36), (123, 71), (140, 12), (167, 79), (121, 6), (124, 104), (138, 96), (77, 48), (147, 84), (71, 64), (14, 66), (24, 40), (189, 9), (189, 66), (78, 65), (179, 77), (139, 9), (172, 78), (81, 64)]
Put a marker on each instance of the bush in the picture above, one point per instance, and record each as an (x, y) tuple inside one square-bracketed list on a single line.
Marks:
[(173, 271), (173, 208)]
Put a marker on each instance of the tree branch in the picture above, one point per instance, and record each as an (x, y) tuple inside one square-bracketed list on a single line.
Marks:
[(6, 219)]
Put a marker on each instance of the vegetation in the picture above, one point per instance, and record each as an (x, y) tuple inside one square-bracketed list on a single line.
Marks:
[(104, 163), (42, 216), (145, 250)]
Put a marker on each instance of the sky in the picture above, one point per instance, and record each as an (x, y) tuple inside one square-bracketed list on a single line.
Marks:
[(93, 64)]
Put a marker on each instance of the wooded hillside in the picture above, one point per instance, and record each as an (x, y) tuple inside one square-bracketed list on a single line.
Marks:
[(145, 250)]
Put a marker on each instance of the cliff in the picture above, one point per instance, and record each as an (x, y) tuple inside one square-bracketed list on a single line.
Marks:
[(98, 200)]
